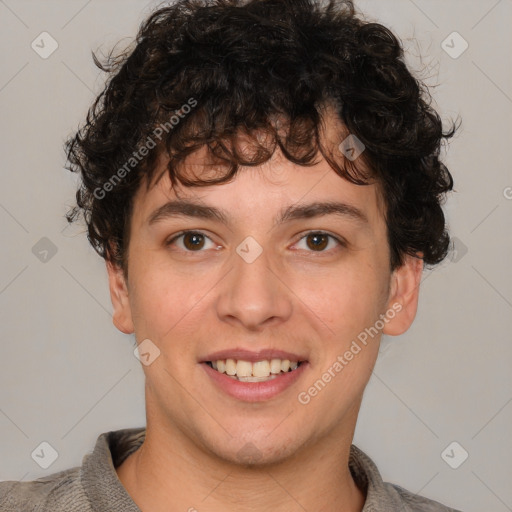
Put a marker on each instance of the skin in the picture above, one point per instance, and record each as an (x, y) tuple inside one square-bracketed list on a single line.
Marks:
[(293, 297)]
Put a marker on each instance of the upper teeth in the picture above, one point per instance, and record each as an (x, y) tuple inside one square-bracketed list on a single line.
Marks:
[(263, 368)]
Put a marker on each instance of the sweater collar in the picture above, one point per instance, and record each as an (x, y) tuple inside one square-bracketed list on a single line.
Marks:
[(98, 473)]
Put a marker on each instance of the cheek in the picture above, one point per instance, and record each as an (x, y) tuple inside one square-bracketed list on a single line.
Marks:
[(164, 301), (345, 300)]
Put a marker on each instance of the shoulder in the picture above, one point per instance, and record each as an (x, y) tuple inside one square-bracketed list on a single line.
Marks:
[(384, 496), (414, 502), (59, 492), (92, 486)]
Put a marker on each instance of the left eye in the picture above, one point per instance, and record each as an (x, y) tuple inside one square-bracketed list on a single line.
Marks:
[(318, 241)]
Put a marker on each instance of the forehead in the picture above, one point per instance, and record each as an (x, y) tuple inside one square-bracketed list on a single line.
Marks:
[(276, 183), (278, 190)]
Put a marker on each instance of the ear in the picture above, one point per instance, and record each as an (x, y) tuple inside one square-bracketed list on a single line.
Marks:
[(122, 316), (403, 297)]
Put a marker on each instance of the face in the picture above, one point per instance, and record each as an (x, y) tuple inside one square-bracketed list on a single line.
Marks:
[(283, 265)]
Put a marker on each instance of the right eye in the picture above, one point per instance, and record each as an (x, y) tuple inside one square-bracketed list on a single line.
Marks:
[(190, 241)]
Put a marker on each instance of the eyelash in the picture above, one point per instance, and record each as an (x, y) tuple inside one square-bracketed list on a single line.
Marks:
[(340, 242)]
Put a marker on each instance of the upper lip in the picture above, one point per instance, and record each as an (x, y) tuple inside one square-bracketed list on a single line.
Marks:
[(252, 356)]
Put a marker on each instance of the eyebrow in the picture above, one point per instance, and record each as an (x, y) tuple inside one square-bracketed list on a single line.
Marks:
[(187, 208)]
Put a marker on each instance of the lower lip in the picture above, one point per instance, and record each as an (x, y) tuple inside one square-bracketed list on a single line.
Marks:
[(254, 391)]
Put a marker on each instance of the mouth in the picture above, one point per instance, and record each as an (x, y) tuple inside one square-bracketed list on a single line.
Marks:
[(254, 376), (257, 371)]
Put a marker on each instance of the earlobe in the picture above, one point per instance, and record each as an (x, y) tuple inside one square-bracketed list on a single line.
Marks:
[(122, 315), (404, 293)]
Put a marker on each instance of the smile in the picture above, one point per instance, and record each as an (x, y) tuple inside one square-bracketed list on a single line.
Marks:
[(253, 381), (258, 371)]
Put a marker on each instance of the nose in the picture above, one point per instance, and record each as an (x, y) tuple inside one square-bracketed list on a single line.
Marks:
[(253, 296)]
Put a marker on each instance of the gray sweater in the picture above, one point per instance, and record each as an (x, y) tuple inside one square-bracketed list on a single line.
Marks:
[(95, 487)]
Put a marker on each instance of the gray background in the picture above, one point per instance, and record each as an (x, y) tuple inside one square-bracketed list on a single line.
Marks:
[(66, 374)]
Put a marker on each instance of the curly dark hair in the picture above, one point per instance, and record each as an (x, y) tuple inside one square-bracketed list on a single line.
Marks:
[(242, 65)]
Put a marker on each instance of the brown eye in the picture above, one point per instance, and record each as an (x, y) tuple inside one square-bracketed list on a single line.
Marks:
[(317, 241), (193, 241), (320, 242)]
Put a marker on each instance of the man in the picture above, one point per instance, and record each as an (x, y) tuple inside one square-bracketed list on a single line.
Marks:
[(263, 181)]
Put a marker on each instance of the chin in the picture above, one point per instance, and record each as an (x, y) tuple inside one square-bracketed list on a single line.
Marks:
[(255, 448), (254, 454)]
